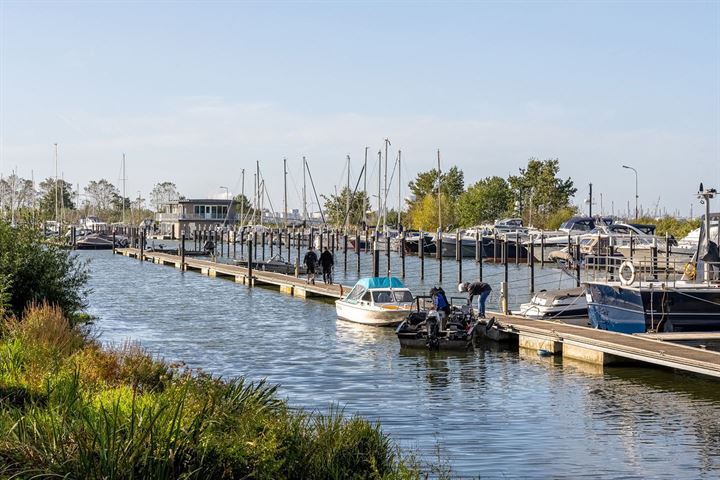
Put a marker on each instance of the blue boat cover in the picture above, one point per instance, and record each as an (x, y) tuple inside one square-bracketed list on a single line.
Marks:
[(380, 282)]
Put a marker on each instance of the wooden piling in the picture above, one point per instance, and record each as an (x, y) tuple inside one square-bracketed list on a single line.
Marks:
[(402, 254), (438, 253), (421, 253)]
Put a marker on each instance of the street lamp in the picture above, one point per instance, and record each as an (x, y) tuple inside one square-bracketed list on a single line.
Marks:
[(227, 192), (636, 189)]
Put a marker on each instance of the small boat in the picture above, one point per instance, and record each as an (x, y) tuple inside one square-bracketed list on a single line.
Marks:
[(567, 305), (422, 329), (99, 241), (276, 264), (379, 301)]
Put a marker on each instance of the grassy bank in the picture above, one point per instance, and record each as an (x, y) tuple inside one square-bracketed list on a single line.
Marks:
[(71, 408)]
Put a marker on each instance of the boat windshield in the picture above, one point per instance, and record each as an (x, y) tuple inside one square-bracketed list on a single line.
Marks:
[(403, 296), (383, 296)]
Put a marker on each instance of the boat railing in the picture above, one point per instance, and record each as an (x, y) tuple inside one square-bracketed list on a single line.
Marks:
[(644, 271)]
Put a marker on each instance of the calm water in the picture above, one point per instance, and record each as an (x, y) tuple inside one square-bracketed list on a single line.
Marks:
[(492, 412)]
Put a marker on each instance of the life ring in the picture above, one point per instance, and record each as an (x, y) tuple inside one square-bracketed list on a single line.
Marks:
[(630, 277), (690, 271)]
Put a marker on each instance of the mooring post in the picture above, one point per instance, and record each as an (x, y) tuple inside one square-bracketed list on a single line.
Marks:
[(504, 297), (376, 258), (182, 252), (271, 243), (263, 245), (667, 255), (345, 241), (477, 246), (495, 246), (113, 246), (250, 261), (438, 253), (531, 264), (367, 239), (253, 250), (542, 249), (387, 247), (505, 262), (142, 244), (458, 256), (517, 248), (402, 253), (480, 258), (421, 253), (357, 249), (320, 234), (222, 244), (297, 243), (577, 261)]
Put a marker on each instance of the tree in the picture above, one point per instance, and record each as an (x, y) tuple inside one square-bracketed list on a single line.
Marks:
[(33, 271), (452, 183), (16, 193), (538, 192), (49, 194), (484, 201), (162, 193), (101, 194), (242, 206), (336, 207), (423, 214)]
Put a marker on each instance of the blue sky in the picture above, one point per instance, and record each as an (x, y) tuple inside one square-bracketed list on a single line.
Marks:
[(193, 92)]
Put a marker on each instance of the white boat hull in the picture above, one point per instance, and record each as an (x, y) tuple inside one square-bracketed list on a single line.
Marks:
[(371, 315)]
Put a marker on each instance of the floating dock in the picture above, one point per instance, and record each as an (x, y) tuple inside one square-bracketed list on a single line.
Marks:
[(590, 345), (288, 284), (602, 347)]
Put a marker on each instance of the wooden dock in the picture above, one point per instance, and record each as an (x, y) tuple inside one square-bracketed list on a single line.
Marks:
[(288, 284), (602, 347)]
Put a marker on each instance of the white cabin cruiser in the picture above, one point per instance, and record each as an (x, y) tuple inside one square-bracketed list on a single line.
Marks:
[(379, 301), (568, 305)]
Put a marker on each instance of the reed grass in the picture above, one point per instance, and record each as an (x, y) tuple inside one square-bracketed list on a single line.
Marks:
[(71, 409)]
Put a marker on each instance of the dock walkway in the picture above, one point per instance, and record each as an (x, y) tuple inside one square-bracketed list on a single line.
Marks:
[(288, 284), (604, 347)]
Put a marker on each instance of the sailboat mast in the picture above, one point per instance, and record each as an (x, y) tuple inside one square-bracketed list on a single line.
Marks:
[(57, 199), (379, 187), (364, 215), (438, 197), (257, 192), (123, 199), (399, 188), (385, 191), (242, 199), (305, 213), (347, 200), (285, 190)]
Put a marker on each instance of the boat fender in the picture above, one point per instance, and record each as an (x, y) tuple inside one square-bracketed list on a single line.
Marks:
[(690, 271), (626, 272)]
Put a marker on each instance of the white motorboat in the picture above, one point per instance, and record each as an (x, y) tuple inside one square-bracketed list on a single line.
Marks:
[(567, 305), (379, 301)]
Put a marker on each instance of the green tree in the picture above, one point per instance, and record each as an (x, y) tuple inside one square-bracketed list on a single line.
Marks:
[(48, 196), (452, 183), (538, 192), (32, 271), (336, 207), (162, 193), (242, 206), (484, 201)]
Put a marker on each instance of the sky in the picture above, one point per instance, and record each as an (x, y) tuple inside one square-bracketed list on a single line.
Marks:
[(194, 92)]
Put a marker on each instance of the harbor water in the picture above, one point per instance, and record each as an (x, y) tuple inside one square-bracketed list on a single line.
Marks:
[(492, 412)]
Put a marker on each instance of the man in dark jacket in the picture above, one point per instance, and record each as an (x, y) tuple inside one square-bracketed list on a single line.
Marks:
[(441, 304), (327, 262), (476, 289), (310, 261)]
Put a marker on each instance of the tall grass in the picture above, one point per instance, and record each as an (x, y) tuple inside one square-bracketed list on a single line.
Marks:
[(71, 409)]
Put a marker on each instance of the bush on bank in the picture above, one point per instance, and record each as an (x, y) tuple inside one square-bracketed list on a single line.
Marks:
[(71, 408), (34, 271)]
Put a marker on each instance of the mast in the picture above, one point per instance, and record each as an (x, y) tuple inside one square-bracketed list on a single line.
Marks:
[(364, 215), (385, 191), (285, 190), (123, 199), (305, 213), (242, 199), (347, 198), (379, 188), (399, 188), (57, 200), (257, 191), (438, 197)]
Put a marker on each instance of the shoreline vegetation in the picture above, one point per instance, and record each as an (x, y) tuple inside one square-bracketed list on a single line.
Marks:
[(72, 408)]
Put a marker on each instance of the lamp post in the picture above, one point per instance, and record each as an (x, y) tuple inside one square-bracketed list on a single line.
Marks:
[(636, 189)]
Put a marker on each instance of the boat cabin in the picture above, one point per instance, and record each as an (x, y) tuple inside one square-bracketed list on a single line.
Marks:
[(578, 224), (378, 291)]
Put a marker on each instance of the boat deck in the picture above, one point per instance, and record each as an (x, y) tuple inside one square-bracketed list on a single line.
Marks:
[(289, 284), (604, 347)]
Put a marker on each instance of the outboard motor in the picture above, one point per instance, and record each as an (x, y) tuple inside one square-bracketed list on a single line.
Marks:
[(432, 324), (209, 247)]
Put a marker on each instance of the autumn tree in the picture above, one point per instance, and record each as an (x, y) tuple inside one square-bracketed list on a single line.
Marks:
[(423, 214), (101, 194), (162, 193)]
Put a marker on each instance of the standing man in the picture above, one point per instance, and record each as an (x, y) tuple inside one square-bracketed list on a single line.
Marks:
[(310, 261), (327, 262), (479, 289)]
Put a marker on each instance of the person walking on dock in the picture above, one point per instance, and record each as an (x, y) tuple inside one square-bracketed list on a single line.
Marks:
[(310, 262), (476, 289), (327, 262)]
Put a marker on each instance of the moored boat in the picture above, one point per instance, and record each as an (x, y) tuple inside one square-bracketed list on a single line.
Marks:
[(423, 329), (379, 301), (567, 305)]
